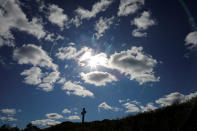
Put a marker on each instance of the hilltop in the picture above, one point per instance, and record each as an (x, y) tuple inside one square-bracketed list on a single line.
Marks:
[(177, 117)]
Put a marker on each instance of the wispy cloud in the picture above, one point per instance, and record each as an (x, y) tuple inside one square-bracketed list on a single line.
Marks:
[(8, 111), (96, 8), (45, 122), (9, 118), (102, 25), (128, 7), (76, 89), (74, 117), (131, 107), (54, 116)]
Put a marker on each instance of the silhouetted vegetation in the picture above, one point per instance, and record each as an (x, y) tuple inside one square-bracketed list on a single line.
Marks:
[(177, 117)]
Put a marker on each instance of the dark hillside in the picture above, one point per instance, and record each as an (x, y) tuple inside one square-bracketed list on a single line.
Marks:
[(177, 117)]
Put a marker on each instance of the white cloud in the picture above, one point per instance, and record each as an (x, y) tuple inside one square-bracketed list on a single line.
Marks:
[(9, 118), (135, 63), (45, 81), (11, 17), (71, 44), (74, 117), (51, 77), (75, 89), (49, 37), (54, 116), (102, 25), (143, 23), (174, 97), (66, 111), (71, 52), (66, 67), (56, 16), (45, 122), (53, 38), (35, 55), (96, 8), (105, 106), (128, 7), (131, 107), (149, 107), (98, 78), (33, 75), (138, 33), (191, 40), (8, 111), (62, 80)]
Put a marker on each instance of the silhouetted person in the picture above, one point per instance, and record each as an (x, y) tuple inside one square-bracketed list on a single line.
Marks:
[(83, 114)]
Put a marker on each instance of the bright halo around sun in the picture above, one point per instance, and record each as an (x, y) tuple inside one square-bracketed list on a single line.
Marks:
[(93, 61), (97, 60)]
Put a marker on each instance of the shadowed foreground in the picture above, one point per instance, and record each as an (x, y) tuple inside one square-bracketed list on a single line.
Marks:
[(177, 117)]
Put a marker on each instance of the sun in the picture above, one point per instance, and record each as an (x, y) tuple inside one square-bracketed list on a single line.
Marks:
[(97, 60), (93, 61)]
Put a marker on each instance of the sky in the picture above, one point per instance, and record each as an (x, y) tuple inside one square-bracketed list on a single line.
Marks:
[(113, 57)]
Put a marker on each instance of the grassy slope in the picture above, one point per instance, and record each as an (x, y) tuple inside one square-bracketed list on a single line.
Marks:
[(177, 117)]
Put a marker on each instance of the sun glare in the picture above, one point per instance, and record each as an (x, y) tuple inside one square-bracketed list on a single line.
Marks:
[(94, 60)]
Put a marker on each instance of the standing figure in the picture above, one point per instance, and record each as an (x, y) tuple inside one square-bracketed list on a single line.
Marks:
[(83, 114)]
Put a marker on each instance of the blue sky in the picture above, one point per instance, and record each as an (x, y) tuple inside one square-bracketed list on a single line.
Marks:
[(113, 57)]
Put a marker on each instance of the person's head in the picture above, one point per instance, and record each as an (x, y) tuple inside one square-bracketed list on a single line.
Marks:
[(83, 108)]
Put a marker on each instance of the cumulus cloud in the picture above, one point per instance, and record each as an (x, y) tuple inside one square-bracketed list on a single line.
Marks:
[(105, 106), (9, 118), (45, 122), (76, 89), (56, 16), (11, 17), (149, 107), (35, 55), (102, 25), (131, 107), (191, 40), (98, 78), (65, 111), (45, 81), (8, 111), (54, 116), (128, 7), (135, 63), (143, 23), (175, 97), (74, 117), (96, 8)]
